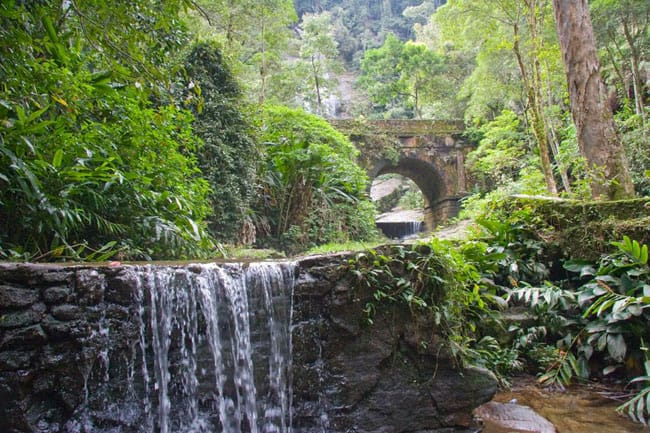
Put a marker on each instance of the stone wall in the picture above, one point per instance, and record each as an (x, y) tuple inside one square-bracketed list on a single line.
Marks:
[(389, 377), (49, 344)]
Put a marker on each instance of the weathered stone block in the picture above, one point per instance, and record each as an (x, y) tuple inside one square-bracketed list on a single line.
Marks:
[(58, 330), (24, 338), (122, 288), (118, 313), (57, 276), (14, 297), (67, 312), (19, 319), (15, 359), (57, 295), (89, 287)]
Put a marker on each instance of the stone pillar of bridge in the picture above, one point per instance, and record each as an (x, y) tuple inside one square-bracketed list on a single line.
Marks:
[(441, 211)]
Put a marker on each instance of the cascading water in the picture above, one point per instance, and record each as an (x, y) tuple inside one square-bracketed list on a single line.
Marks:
[(212, 354), (399, 229)]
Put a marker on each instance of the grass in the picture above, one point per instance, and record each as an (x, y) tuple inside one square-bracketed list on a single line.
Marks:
[(346, 246)]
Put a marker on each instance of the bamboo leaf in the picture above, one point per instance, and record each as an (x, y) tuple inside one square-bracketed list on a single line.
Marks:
[(643, 258), (58, 158), (60, 100)]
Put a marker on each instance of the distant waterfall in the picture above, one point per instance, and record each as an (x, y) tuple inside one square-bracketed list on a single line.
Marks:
[(213, 354), (399, 229)]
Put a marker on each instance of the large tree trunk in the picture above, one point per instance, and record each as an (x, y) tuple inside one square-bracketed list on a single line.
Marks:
[(598, 139)]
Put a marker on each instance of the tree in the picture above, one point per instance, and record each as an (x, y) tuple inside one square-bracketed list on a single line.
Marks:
[(94, 155), (380, 77), (401, 76), (255, 35), (311, 189), (622, 28), (319, 55), (518, 30), (228, 155), (419, 68), (597, 135)]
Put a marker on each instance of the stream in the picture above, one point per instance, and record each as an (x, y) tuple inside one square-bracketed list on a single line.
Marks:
[(579, 409)]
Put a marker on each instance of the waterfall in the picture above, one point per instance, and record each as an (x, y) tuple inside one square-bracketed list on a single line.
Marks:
[(399, 229), (211, 353)]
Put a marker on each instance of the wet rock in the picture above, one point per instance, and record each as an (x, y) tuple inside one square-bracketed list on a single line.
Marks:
[(24, 338), (122, 288), (89, 287), (511, 418), (57, 295), (21, 318), (15, 359), (118, 313), (67, 312), (11, 410), (14, 297), (389, 377), (57, 276), (58, 330)]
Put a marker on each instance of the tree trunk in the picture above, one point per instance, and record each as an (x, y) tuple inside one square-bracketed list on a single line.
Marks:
[(536, 116), (636, 70), (598, 138), (319, 102)]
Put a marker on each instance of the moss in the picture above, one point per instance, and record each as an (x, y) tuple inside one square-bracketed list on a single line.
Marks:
[(397, 127), (585, 229)]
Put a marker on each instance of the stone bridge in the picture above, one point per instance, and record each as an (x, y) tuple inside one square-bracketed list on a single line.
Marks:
[(431, 153)]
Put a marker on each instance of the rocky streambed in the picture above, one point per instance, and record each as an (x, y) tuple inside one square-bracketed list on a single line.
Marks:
[(589, 408)]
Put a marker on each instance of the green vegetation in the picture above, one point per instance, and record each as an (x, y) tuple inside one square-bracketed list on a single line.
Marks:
[(583, 318), (95, 158), (121, 140), (337, 247), (312, 191), (228, 156), (172, 129)]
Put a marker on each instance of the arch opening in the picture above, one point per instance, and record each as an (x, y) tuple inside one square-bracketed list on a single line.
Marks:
[(414, 179)]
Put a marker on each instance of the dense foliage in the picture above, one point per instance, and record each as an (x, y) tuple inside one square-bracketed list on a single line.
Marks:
[(519, 69), (362, 24), (227, 157), (311, 189), (583, 319), (431, 279), (400, 77), (88, 162), (121, 139)]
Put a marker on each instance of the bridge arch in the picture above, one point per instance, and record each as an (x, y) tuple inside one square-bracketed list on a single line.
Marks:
[(431, 154), (425, 176)]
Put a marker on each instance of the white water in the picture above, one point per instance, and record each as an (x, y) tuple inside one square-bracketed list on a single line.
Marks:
[(400, 229), (213, 352)]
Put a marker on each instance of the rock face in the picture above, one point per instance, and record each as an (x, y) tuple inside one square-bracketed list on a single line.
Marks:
[(390, 377)]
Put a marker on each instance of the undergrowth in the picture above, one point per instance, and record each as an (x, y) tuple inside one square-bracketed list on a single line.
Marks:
[(582, 319)]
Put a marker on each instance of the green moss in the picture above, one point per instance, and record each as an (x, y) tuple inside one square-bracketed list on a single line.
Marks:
[(585, 229)]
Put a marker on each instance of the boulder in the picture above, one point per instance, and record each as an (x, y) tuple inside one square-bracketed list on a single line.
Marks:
[(511, 418)]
